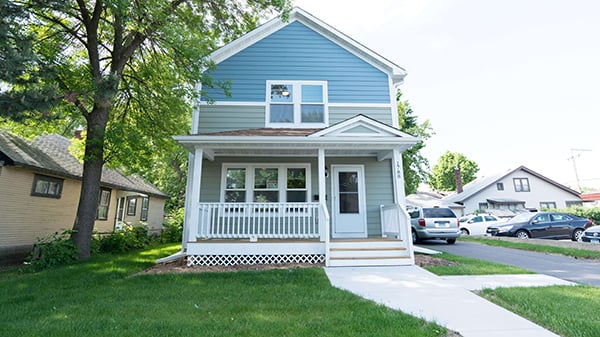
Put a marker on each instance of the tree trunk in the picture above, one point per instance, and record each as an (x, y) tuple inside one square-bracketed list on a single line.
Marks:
[(90, 184)]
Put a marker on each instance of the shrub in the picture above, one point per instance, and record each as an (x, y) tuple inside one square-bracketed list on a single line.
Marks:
[(585, 212), (173, 226), (125, 239), (53, 250)]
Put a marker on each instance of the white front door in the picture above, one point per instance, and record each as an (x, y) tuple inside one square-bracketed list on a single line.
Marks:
[(349, 205)]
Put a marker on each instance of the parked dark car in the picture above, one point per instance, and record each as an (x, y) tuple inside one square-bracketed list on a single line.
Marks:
[(433, 223), (592, 234), (543, 225)]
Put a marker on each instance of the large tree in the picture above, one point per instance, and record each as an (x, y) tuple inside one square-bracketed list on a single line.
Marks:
[(415, 166), (443, 177), (125, 68)]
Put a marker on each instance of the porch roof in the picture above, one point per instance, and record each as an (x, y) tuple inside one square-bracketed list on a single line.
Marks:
[(356, 136)]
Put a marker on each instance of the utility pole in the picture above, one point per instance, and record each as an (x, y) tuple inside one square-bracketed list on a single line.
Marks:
[(572, 157)]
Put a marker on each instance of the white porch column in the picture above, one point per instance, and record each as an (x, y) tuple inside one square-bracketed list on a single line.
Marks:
[(193, 197), (398, 179), (322, 193)]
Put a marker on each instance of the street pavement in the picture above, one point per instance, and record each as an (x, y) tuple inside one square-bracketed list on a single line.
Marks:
[(563, 267)]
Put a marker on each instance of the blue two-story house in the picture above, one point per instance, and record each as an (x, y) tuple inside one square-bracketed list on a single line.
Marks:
[(300, 162)]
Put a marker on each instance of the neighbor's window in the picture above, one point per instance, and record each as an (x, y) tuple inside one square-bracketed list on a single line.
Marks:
[(296, 103), (547, 204), (266, 183), (144, 210), (103, 204), (500, 186), (131, 203), (44, 186), (521, 184)]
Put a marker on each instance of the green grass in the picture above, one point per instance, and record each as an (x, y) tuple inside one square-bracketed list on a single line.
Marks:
[(570, 311), (578, 253), (471, 266), (104, 297)]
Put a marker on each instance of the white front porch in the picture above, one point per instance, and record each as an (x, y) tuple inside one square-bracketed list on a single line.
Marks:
[(279, 233)]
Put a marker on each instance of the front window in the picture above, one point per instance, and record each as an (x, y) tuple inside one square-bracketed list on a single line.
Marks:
[(500, 186), (296, 103), (521, 184), (44, 186), (103, 204), (266, 183)]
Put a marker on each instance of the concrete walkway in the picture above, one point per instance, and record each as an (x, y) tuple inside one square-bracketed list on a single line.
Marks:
[(446, 300)]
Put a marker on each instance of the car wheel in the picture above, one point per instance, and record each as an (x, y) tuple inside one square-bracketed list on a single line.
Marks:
[(522, 234), (577, 234), (464, 231), (415, 237), (451, 241)]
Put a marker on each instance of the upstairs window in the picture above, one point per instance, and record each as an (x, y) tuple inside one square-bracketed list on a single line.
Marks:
[(521, 184), (297, 104), (500, 186)]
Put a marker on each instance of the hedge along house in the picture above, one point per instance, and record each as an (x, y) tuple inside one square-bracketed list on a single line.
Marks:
[(40, 184), (302, 161)]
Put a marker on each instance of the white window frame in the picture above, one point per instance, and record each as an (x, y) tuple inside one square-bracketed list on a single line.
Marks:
[(282, 179), (297, 102)]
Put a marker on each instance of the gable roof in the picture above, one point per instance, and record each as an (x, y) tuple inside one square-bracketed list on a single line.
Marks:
[(50, 154), (480, 184), (396, 72)]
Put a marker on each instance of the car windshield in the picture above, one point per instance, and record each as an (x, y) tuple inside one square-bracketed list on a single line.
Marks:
[(438, 213), (521, 218)]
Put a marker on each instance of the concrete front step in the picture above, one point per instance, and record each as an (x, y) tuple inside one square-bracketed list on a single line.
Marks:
[(381, 261)]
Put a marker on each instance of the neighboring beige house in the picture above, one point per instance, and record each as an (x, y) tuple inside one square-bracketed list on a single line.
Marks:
[(40, 183)]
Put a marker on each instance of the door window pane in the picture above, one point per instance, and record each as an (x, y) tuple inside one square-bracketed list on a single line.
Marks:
[(348, 195)]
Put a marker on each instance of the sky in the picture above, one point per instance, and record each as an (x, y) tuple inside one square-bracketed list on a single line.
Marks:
[(506, 83)]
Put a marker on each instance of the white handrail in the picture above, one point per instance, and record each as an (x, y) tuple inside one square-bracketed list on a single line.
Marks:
[(258, 220), (324, 221)]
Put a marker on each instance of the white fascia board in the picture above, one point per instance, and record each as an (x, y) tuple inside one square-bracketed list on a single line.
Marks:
[(358, 121), (242, 142)]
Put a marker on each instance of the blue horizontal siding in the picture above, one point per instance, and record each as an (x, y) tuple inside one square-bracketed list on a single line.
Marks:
[(296, 52)]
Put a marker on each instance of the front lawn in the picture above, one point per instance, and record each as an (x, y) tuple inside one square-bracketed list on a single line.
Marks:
[(104, 297), (470, 266), (570, 311), (535, 247)]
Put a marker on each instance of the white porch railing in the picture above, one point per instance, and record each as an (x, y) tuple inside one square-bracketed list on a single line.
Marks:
[(394, 221), (257, 221)]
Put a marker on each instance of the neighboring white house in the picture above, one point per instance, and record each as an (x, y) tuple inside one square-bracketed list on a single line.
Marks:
[(302, 162), (432, 199), (515, 190)]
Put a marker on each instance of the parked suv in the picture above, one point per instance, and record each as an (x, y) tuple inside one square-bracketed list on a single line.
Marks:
[(433, 223)]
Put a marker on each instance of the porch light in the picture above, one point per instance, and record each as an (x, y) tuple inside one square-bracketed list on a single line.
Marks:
[(326, 172)]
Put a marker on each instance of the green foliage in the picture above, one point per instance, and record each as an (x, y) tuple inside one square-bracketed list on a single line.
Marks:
[(414, 165), (53, 250), (126, 70), (443, 177), (584, 212), (173, 227), (126, 239)]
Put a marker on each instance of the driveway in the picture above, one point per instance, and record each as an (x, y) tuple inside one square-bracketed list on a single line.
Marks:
[(566, 268)]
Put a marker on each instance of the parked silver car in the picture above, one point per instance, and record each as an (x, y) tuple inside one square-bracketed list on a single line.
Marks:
[(433, 223)]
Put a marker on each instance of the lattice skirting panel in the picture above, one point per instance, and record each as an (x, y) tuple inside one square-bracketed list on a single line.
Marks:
[(232, 260)]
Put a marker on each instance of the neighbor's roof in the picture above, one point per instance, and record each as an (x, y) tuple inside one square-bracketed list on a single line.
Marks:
[(479, 184), (50, 154)]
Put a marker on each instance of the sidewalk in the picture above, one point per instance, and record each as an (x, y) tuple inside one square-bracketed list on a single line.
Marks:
[(446, 300)]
